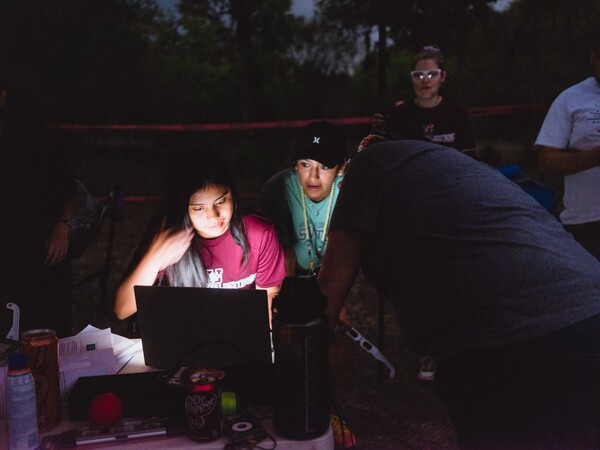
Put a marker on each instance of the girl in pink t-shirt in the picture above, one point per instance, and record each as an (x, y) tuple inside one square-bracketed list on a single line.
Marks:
[(205, 239)]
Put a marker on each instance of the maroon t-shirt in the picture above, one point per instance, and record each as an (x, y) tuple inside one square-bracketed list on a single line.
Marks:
[(222, 258)]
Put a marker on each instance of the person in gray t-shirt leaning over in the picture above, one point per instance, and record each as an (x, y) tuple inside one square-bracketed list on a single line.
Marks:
[(504, 298)]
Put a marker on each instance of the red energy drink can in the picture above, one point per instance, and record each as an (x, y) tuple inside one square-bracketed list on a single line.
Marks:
[(203, 403), (41, 348)]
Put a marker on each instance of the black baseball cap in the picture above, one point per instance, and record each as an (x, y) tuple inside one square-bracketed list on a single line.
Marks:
[(323, 142)]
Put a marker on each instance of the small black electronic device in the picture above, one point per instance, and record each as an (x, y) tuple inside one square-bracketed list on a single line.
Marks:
[(244, 430)]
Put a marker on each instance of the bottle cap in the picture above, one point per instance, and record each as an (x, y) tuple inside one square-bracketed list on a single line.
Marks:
[(17, 361), (299, 300)]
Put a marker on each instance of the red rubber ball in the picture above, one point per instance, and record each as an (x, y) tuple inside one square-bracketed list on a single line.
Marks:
[(106, 408)]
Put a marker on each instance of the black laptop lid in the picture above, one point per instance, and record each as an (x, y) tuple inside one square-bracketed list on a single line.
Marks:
[(182, 326)]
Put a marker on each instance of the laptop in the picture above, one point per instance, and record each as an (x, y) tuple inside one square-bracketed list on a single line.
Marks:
[(206, 327)]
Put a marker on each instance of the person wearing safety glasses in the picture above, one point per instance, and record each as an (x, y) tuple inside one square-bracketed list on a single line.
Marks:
[(430, 115), (433, 117)]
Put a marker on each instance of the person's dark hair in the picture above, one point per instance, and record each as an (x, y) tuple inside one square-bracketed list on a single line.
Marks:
[(188, 175), (430, 52)]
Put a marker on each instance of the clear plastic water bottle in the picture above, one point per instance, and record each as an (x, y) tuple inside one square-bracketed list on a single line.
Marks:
[(301, 402), (21, 405)]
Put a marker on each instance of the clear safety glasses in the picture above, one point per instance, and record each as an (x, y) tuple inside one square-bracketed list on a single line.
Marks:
[(369, 347), (425, 74)]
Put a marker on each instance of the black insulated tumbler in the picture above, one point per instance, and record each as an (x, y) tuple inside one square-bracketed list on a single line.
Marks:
[(300, 338)]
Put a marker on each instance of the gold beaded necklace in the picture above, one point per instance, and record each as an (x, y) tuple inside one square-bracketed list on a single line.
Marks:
[(311, 261)]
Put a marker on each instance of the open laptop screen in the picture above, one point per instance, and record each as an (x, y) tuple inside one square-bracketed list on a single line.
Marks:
[(184, 326)]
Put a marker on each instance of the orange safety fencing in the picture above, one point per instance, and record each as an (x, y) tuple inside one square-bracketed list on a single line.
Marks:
[(483, 111)]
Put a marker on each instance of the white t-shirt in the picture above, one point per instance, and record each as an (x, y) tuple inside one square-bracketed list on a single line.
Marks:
[(573, 123)]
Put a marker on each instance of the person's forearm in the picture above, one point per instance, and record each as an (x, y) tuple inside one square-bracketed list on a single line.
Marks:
[(68, 210), (166, 249), (143, 275), (57, 242), (339, 269), (567, 162), (271, 294), (290, 261)]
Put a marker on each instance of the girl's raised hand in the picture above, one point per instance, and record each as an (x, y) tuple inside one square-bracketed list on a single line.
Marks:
[(170, 245)]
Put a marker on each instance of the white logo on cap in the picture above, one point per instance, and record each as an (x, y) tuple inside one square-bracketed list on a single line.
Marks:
[(316, 139)]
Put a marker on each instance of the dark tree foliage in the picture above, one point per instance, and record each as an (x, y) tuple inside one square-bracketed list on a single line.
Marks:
[(410, 23), (546, 47), (80, 60), (128, 61), (248, 51)]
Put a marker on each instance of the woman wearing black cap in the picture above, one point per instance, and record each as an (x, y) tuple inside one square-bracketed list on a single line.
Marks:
[(300, 199)]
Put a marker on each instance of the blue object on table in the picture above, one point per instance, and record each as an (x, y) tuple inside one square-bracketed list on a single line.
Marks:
[(542, 192)]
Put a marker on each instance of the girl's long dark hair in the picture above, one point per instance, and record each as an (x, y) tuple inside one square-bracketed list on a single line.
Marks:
[(188, 175)]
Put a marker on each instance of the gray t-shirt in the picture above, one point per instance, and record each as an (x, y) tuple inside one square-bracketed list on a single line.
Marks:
[(572, 123), (469, 259)]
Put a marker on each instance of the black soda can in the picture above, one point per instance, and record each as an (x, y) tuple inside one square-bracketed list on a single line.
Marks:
[(203, 403)]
